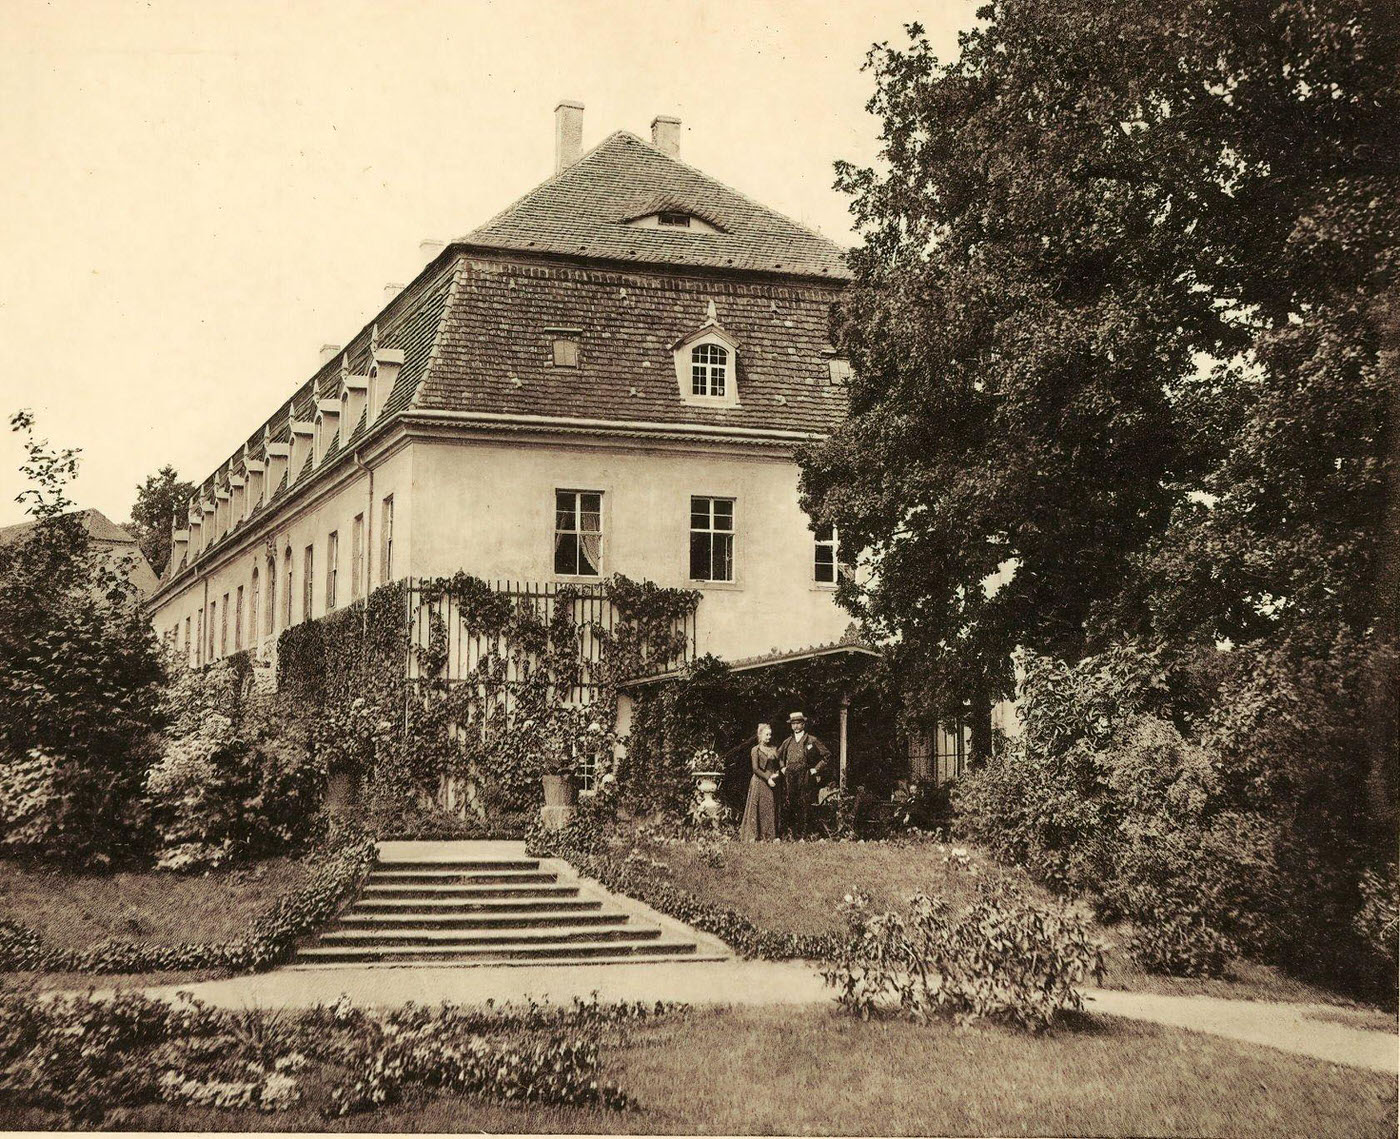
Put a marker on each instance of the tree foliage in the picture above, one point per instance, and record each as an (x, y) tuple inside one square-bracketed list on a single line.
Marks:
[(79, 680), (1122, 327), (159, 500)]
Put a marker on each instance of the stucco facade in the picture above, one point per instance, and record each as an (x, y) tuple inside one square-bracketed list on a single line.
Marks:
[(551, 350)]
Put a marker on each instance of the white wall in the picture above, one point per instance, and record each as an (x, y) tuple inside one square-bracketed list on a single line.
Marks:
[(487, 506)]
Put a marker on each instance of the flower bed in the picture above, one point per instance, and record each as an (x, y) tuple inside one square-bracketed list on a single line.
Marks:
[(90, 1060), (268, 940)]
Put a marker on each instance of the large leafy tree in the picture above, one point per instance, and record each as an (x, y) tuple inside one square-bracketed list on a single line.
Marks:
[(80, 681), (159, 500), (1117, 327)]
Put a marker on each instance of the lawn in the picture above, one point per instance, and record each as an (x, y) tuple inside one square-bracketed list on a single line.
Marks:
[(797, 888), (77, 911), (812, 1071)]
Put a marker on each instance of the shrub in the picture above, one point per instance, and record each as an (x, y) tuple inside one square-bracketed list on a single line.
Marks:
[(1103, 795), (1004, 958), (1378, 920), (233, 782)]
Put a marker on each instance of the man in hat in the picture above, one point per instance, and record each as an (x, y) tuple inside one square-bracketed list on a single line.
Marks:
[(803, 758)]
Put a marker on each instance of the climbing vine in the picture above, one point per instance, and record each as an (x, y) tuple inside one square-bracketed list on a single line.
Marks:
[(390, 699)]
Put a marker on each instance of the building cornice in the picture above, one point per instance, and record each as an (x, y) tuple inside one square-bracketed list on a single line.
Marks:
[(616, 428)]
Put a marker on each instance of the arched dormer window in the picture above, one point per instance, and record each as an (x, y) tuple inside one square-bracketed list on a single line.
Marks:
[(707, 365), (709, 370)]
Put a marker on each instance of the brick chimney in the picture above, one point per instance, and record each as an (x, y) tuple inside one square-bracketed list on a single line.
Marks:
[(666, 135), (568, 134)]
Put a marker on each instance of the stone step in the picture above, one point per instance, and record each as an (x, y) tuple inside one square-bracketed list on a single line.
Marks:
[(452, 878), (460, 866), (355, 918), (596, 952), (379, 886), (496, 905), (556, 935)]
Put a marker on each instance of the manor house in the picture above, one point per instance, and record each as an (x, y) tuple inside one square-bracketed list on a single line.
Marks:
[(611, 375)]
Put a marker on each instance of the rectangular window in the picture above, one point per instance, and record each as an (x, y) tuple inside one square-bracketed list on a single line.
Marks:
[(199, 642), (332, 565), (711, 539), (566, 353), (667, 217), (578, 532), (386, 539), (824, 566), (189, 645), (223, 628), (238, 622), (308, 584), (357, 555), (213, 609)]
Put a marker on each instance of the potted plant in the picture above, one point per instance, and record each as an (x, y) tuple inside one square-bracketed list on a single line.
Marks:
[(707, 769), (558, 775)]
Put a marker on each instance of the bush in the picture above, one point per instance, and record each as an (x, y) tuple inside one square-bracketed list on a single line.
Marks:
[(232, 782), (1378, 920), (269, 940), (1005, 958)]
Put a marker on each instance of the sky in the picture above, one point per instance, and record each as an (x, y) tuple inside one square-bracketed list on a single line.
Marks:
[(201, 194)]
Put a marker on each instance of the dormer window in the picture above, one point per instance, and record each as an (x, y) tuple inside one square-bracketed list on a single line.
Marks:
[(707, 365), (709, 370), (671, 218)]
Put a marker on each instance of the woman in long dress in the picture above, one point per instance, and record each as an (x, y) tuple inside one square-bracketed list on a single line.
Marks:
[(761, 810)]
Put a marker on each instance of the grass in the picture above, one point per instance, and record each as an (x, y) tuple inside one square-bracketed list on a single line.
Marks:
[(812, 1071), (77, 911), (783, 886)]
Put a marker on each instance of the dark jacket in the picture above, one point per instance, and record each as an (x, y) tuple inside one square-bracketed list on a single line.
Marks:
[(809, 755)]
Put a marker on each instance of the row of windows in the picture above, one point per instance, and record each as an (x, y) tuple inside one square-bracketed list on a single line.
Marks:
[(578, 552), (578, 538), (208, 639)]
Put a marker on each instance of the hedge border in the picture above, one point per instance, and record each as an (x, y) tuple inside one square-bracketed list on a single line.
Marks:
[(269, 939)]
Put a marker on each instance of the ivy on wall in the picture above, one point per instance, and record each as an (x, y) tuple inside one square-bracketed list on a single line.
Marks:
[(375, 680)]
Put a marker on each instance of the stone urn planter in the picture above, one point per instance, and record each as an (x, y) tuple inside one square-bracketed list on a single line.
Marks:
[(707, 785), (558, 790)]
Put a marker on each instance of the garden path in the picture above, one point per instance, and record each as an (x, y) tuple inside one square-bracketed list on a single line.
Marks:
[(1292, 1028)]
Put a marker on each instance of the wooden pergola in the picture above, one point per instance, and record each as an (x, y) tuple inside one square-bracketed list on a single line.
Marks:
[(845, 647)]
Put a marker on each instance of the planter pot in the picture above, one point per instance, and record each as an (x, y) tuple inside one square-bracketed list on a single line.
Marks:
[(707, 783), (558, 790)]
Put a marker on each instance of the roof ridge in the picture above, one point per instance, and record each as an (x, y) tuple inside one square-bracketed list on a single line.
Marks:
[(754, 202), (553, 178)]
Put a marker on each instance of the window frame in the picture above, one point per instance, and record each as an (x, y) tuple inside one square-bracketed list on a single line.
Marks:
[(332, 567), (710, 532), (238, 620), (833, 543), (578, 532), (357, 555), (704, 371), (254, 596), (386, 538), (308, 581)]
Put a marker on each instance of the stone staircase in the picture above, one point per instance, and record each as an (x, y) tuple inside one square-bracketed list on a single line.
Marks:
[(467, 903)]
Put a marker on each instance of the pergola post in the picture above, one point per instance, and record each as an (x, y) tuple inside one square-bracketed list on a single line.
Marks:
[(845, 715)]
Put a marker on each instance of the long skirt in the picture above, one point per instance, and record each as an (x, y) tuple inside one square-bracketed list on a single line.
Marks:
[(760, 813)]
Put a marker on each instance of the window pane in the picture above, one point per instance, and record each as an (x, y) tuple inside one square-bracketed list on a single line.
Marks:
[(590, 503), (724, 557), (824, 533), (699, 513), (591, 522), (724, 514), (700, 557), (588, 559), (825, 565), (566, 553)]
